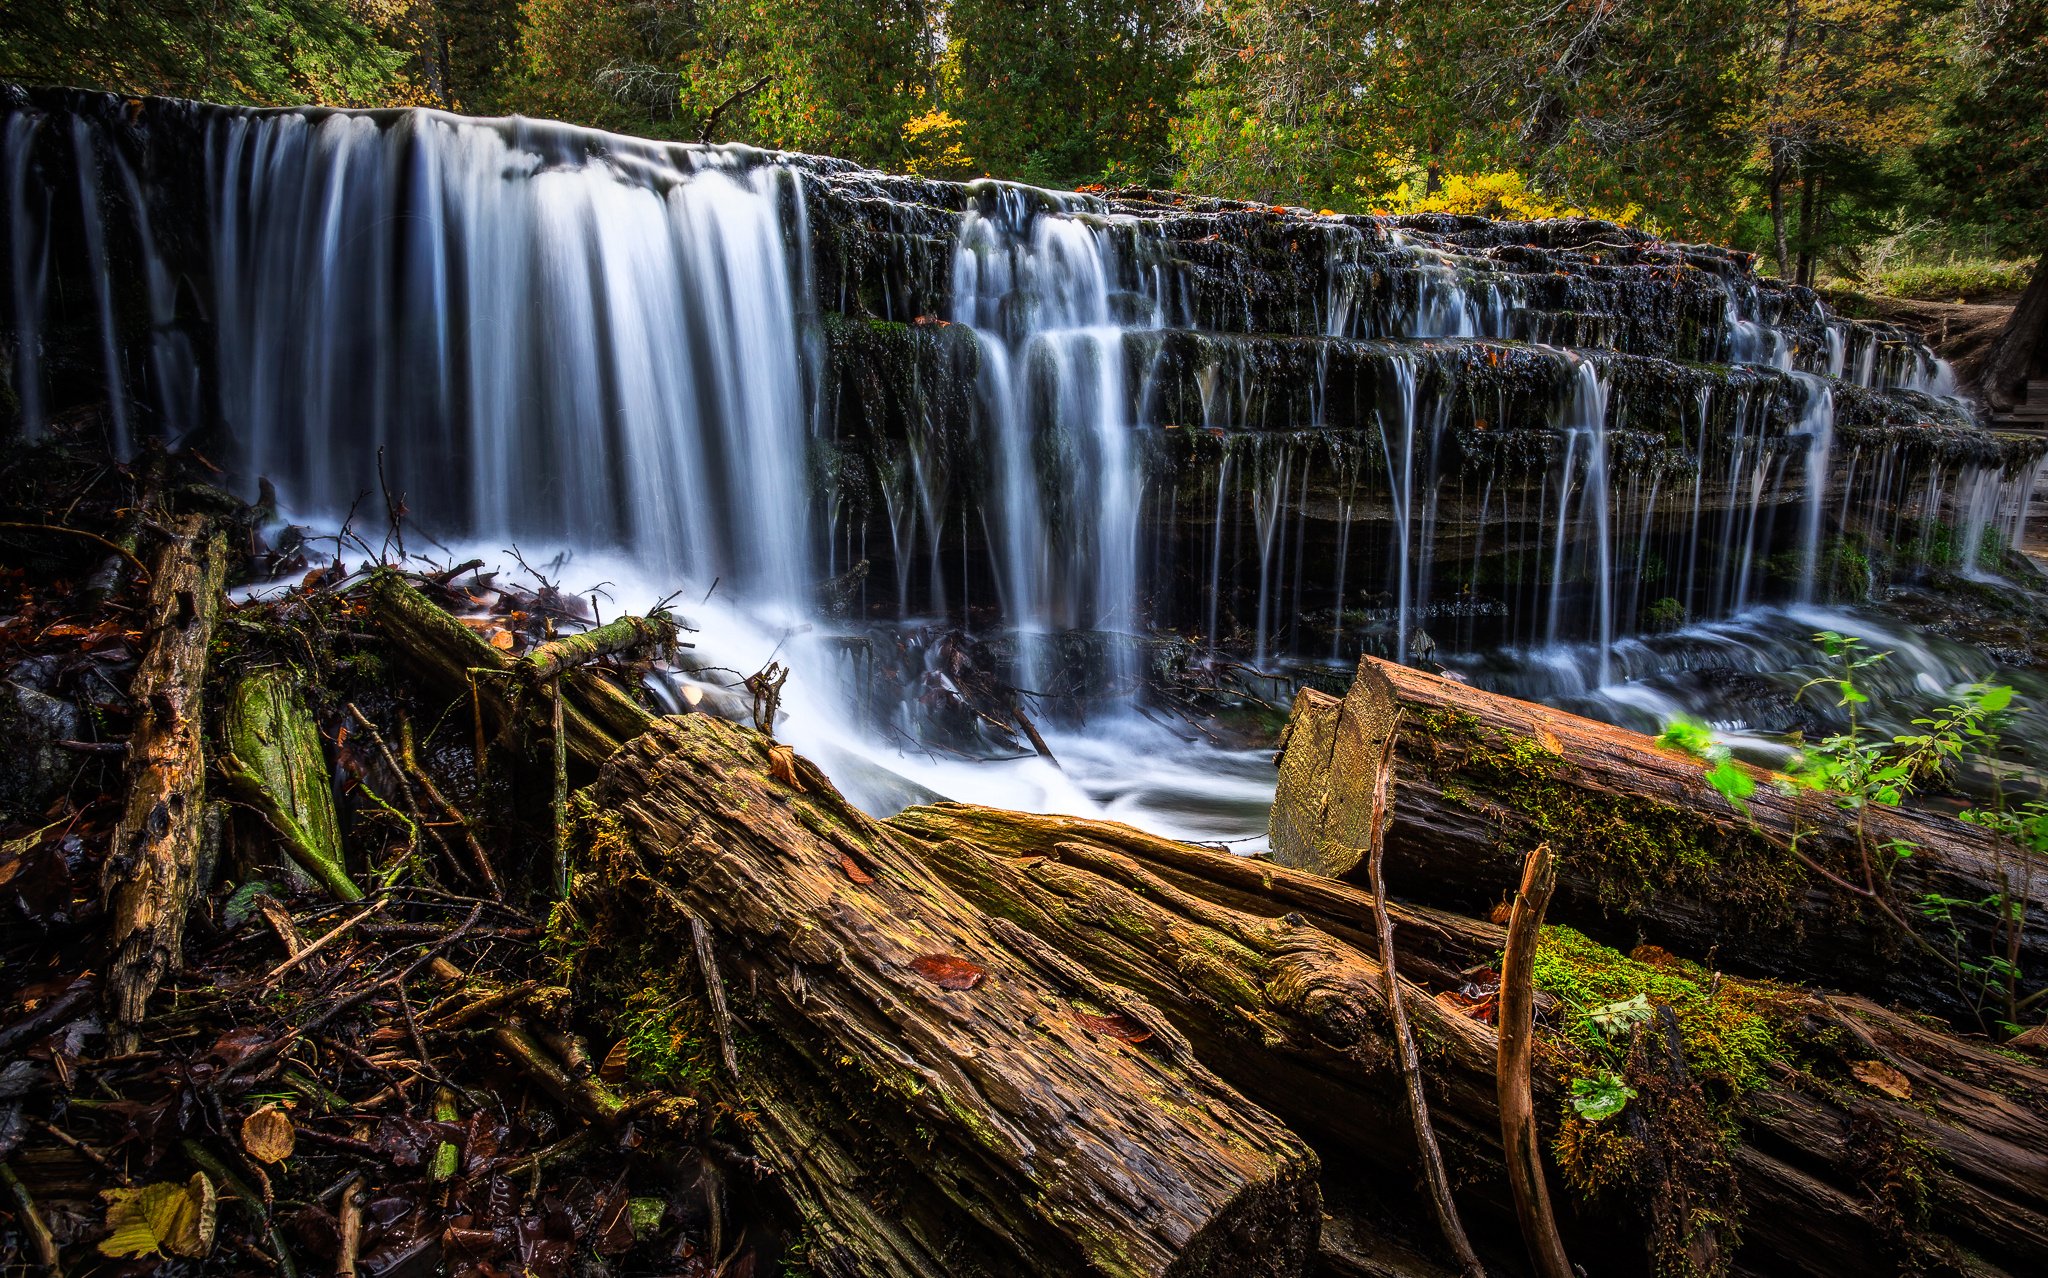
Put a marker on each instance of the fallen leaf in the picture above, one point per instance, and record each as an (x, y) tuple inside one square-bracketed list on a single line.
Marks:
[(1116, 1026), (615, 1061), (2033, 1040), (782, 766), (267, 1135), (165, 1216), (502, 640), (853, 870), (1884, 1078), (948, 971), (1548, 740)]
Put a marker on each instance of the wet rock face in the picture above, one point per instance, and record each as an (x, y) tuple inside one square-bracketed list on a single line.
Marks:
[(1025, 410)]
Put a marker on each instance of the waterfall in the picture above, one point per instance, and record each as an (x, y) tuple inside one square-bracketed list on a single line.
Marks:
[(1033, 275), (1067, 422)]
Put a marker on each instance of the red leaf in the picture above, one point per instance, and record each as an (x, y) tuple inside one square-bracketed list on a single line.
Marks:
[(948, 971), (1116, 1026), (853, 870)]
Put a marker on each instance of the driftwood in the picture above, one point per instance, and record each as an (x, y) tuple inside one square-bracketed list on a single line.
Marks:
[(274, 763), (1647, 851), (939, 1091), (152, 871), (1269, 972), (655, 633), (1518, 1133)]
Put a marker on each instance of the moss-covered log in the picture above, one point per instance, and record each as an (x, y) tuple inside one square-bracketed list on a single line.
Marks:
[(151, 872), (274, 762), (1792, 1138), (941, 1093), (597, 715), (1646, 850)]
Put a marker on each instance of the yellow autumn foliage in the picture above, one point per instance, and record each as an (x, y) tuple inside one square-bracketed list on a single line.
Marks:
[(932, 146), (1505, 195)]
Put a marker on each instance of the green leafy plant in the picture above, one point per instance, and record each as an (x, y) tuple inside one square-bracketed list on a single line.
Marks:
[(1858, 770), (1600, 1097)]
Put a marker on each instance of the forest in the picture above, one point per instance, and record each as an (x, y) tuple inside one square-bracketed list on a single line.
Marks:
[(1024, 638)]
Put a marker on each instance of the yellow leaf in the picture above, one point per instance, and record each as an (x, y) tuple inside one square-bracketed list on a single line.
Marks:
[(165, 1216), (268, 1136), (782, 766)]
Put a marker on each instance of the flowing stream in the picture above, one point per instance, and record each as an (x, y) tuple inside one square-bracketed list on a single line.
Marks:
[(1566, 468)]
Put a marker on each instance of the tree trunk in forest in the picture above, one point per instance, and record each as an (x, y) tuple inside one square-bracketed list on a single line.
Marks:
[(1647, 851), (940, 1092), (1809, 200), (1277, 990), (152, 871), (2019, 352)]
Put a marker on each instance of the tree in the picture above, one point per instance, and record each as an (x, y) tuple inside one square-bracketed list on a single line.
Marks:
[(265, 52), (1063, 91), (1990, 153)]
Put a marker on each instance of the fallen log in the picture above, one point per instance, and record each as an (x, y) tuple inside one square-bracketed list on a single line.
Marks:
[(152, 868), (597, 715), (1646, 850), (1282, 997), (940, 1092)]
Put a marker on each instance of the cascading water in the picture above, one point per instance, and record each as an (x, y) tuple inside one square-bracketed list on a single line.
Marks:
[(1033, 276), (1292, 437)]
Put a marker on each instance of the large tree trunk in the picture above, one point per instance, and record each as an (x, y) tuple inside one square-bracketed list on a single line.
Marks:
[(2020, 351), (942, 1093), (1278, 1001), (152, 869), (1648, 852)]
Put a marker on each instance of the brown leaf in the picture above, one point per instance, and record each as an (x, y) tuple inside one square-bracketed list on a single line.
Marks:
[(782, 766), (1884, 1078), (853, 870), (2033, 1040), (1116, 1026), (267, 1135), (502, 640), (1548, 740), (614, 1068), (948, 971)]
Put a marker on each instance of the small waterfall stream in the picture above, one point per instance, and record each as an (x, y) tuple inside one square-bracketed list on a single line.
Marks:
[(1294, 438)]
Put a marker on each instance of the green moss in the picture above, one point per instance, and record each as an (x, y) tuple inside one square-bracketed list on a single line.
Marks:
[(1633, 847), (1728, 1028)]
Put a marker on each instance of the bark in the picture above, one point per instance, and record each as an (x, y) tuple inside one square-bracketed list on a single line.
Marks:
[(2020, 351), (1648, 852), (1278, 1005), (274, 763), (940, 1092), (151, 873), (619, 635), (1519, 1135), (597, 715)]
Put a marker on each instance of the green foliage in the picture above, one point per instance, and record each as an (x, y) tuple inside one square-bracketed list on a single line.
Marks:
[(256, 51), (1990, 150), (1600, 1097), (1665, 614), (1724, 775), (1965, 281)]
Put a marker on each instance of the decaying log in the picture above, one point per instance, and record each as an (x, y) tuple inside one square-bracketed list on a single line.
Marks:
[(1647, 851), (1269, 972), (940, 1092), (597, 715), (151, 871), (1330, 804), (274, 763)]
